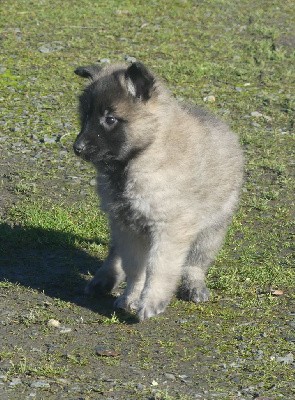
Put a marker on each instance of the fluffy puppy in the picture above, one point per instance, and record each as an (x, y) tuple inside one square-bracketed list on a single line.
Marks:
[(169, 177)]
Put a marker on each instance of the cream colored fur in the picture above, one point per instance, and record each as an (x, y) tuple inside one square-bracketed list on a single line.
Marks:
[(184, 185)]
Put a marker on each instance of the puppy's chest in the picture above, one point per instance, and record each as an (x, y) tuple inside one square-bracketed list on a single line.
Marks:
[(130, 203)]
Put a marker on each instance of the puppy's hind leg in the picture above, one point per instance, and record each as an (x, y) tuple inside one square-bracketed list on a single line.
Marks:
[(202, 253), (109, 276)]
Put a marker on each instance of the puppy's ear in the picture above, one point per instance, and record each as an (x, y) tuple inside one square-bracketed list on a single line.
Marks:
[(139, 81), (90, 71)]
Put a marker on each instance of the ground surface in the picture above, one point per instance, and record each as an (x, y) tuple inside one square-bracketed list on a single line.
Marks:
[(236, 58)]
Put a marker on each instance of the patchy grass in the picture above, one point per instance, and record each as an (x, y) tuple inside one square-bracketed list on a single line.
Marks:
[(52, 234)]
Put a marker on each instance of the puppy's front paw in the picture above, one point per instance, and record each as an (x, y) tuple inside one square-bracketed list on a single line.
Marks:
[(126, 303), (100, 284), (149, 308)]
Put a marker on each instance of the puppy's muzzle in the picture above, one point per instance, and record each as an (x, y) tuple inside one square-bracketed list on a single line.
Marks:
[(79, 147)]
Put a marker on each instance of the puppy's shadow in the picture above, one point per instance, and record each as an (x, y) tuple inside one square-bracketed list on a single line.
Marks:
[(50, 262)]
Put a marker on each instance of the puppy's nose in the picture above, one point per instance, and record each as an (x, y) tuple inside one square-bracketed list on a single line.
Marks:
[(78, 148)]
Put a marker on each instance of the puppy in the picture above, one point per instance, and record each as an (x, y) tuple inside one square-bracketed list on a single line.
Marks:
[(169, 177)]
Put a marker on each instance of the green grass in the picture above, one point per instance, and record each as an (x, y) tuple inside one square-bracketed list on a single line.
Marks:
[(48, 369), (240, 53), (45, 223)]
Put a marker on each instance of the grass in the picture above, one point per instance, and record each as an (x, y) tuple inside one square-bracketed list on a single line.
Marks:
[(48, 370), (60, 225), (243, 55)]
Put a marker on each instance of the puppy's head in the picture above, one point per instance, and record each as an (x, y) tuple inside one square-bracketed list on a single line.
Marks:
[(115, 112)]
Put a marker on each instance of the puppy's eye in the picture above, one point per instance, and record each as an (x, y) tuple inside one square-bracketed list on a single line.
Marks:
[(110, 120)]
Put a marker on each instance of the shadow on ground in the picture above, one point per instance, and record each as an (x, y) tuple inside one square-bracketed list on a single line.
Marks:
[(50, 262)]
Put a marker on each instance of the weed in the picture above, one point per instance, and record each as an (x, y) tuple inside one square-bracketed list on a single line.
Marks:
[(111, 320)]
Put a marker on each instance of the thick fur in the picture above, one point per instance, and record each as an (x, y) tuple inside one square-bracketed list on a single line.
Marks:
[(169, 178)]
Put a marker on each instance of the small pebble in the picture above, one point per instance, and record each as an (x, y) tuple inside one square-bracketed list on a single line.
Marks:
[(139, 386), (50, 140), (256, 114), (182, 321), (65, 330), (15, 382), (109, 380), (209, 99), (170, 376), (44, 49), (277, 292), (288, 359), (183, 378), (36, 350), (256, 125), (105, 352), (54, 323), (130, 59), (40, 384), (63, 381)]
